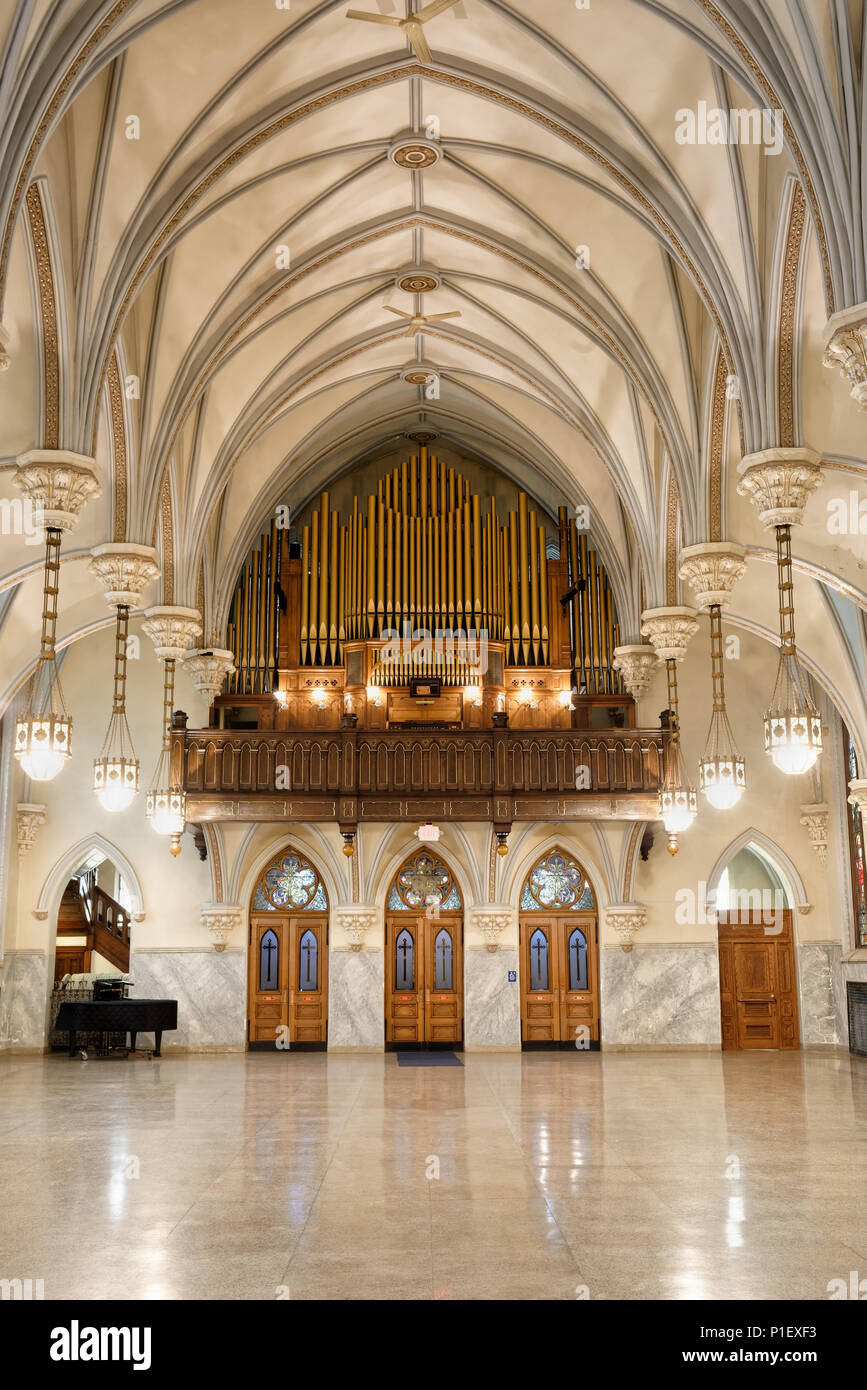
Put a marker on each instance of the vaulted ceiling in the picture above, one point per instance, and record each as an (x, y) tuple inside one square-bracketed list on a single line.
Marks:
[(231, 195)]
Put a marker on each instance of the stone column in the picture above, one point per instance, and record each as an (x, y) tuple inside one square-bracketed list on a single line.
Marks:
[(846, 349), (492, 1001), (356, 980)]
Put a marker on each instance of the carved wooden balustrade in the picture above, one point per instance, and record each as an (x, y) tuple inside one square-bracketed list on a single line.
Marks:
[(352, 775)]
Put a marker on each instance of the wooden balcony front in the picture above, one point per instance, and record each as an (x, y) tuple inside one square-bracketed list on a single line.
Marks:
[(356, 775)]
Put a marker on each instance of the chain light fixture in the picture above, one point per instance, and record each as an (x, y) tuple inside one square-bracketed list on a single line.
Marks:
[(166, 805), (116, 770), (43, 738), (713, 568), (793, 725), (678, 804)]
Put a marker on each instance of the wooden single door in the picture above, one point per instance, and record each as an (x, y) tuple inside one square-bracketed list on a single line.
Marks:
[(288, 981), (758, 990), (424, 980), (559, 979)]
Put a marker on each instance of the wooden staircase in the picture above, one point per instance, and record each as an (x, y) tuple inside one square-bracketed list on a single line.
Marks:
[(87, 910)]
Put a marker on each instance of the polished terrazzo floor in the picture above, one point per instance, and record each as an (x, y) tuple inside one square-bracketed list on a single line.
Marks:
[(633, 1176)]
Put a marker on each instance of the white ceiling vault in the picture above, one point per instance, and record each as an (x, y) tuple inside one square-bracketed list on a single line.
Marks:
[(232, 194)]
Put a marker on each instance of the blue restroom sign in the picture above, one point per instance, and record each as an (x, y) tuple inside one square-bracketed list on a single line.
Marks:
[(513, 977)]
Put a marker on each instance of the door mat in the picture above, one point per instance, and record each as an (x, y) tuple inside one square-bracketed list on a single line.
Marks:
[(428, 1059)]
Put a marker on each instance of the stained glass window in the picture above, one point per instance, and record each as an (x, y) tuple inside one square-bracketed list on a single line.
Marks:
[(557, 883), (856, 844), (538, 960), (308, 951), (577, 960), (291, 883), (443, 960), (269, 960), (424, 881), (403, 960)]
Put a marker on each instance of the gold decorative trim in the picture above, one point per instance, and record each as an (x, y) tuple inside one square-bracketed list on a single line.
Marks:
[(717, 436), (51, 110), (48, 317), (118, 437), (168, 545), (637, 831), (788, 304), (671, 515), (200, 593)]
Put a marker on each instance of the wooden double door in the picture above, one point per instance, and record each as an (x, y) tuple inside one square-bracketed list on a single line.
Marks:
[(758, 985), (560, 980), (288, 981), (424, 1001)]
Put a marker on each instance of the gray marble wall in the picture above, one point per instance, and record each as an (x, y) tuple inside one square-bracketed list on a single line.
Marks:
[(660, 996), (356, 999), (821, 1000), (211, 990), (23, 1001), (492, 1005)]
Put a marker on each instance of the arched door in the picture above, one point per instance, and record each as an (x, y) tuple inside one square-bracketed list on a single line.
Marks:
[(288, 963), (424, 1005), (559, 956)]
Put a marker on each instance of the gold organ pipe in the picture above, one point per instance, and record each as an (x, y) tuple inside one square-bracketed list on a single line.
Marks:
[(451, 491), (404, 562), (423, 471), (333, 582), (609, 636), (398, 575), (534, 587), (379, 546), (305, 593), (389, 567), (345, 572), (252, 657), (543, 593), (371, 565), (468, 563), (477, 562), (413, 486), (437, 563), (264, 587), (514, 599), (324, 528), (450, 566), (524, 561), (594, 617), (584, 571), (403, 488), (313, 613)]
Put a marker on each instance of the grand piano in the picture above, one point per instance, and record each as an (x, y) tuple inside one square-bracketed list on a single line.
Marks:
[(131, 1016)]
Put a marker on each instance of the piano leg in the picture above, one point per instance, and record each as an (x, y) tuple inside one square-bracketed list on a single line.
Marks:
[(71, 1043), (158, 1038), (132, 1038)]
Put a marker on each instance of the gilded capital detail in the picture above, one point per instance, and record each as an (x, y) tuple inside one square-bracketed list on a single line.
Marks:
[(172, 630), (57, 484), (124, 570), (846, 349), (209, 669), (626, 919), (670, 630), (220, 919), (780, 483), (637, 664), (712, 569)]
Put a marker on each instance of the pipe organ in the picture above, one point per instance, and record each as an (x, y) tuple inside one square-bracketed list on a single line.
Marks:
[(424, 605)]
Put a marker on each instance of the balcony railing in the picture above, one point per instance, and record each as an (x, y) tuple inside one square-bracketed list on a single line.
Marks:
[(378, 769)]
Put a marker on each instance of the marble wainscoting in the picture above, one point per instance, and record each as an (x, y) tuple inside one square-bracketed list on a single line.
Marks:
[(660, 996), (211, 990), (23, 1001), (492, 1004), (820, 1000), (356, 1001), (849, 970)]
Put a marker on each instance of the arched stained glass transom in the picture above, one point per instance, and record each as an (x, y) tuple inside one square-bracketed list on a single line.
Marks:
[(424, 880), (290, 883), (557, 883)]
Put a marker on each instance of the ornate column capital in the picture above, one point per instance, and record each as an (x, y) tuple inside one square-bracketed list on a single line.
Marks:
[(356, 921), (815, 819), (172, 630), (712, 570), (220, 919), (57, 484), (208, 668), (858, 796), (637, 664), (846, 348), (491, 920), (779, 483), (124, 570), (30, 818), (670, 630), (626, 919)]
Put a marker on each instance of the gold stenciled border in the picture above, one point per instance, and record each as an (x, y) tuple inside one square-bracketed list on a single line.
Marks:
[(717, 436), (118, 439), (637, 831), (48, 318), (672, 507), (168, 543), (788, 305)]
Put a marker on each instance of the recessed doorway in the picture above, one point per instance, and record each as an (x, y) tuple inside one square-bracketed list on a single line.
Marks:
[(559, 956), (424, 1002), (288, 958)]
